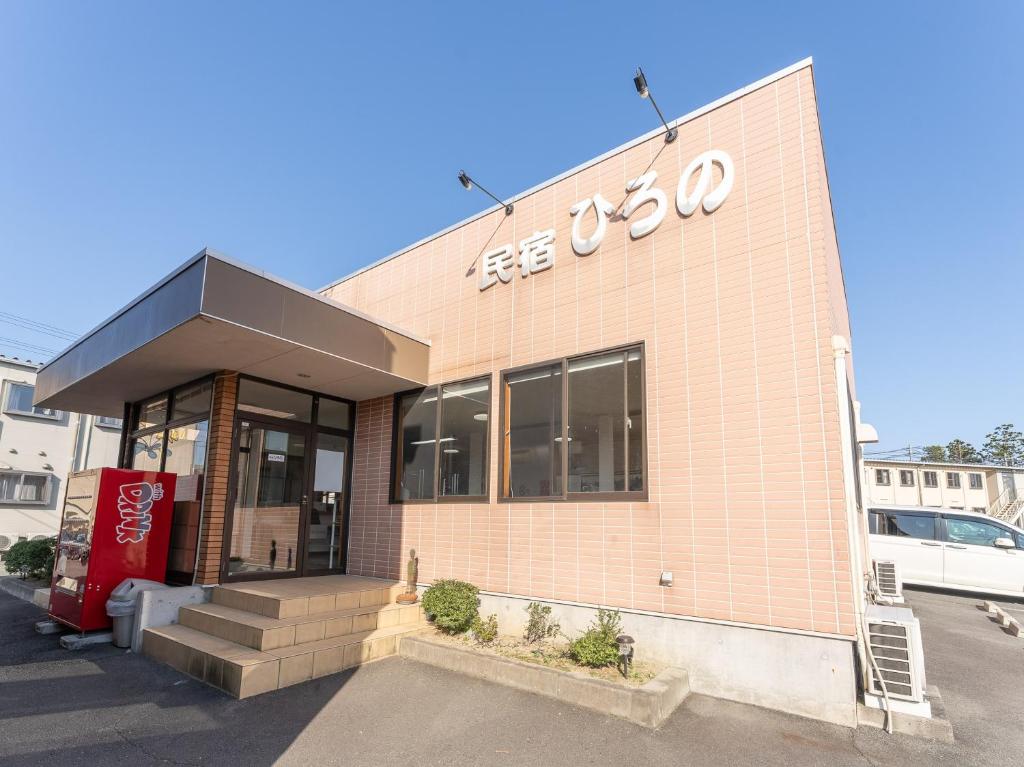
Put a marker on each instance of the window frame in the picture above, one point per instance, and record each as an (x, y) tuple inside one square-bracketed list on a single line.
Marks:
[(879, 474), (971, 476), (624, 496), (925, 476), (949, 481), (47, 492), (938, 523), (1011, 534), (133, 434), (910, 473), (8, 388), (396, 445)]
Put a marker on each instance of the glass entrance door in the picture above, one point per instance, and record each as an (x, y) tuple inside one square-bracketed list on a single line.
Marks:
[(270, 500), (325, 533)]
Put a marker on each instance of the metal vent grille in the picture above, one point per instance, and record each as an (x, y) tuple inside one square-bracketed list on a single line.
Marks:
[(888, 581), (890, 644)]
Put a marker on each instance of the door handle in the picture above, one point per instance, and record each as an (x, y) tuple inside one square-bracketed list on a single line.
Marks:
[(930, 543), (954, 546)]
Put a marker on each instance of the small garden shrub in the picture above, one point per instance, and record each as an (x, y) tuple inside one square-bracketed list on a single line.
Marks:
[(31, 559), (452, 605), (485, 629), (539, 624), (597, 646)]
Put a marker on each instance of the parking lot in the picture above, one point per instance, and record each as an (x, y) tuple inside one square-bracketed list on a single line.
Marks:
[(106, 705)]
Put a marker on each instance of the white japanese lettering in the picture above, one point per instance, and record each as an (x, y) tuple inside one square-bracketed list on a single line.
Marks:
[(584, 246), (645, 193)]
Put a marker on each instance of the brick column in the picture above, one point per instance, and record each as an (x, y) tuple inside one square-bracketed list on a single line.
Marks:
[(218, 472)]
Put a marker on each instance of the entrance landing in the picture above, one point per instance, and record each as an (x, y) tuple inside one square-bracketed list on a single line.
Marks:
[(260, 636)]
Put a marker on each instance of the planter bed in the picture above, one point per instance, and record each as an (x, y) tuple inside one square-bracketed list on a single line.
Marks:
[(647, 704)]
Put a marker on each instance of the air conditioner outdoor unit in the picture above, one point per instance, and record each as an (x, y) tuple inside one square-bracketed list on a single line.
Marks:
[(894, 635), (889, 579)]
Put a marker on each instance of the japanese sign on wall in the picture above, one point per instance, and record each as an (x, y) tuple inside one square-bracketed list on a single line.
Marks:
[(536, 253)]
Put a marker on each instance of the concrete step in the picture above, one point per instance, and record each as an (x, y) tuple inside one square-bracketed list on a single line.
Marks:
[(243, 671), (296, 597), (262, 633)]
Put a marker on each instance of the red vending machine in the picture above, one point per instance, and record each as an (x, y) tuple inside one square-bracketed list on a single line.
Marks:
[(116, 525)]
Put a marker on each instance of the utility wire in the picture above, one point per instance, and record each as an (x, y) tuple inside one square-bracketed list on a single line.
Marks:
[(38, 327), (27, 346)]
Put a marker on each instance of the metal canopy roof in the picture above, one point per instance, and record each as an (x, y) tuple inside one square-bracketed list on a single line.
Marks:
[(214, 314)]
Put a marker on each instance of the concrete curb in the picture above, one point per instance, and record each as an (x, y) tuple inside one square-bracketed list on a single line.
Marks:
[(1010, 624), (648, 706), (27, 591), (937, 728)]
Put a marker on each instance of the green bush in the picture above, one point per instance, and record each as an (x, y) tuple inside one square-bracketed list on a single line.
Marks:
[(485, 629), (539, 624), (31, 559), (452, 605), (597, 646)]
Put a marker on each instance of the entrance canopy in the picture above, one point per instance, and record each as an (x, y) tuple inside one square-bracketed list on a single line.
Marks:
[(217, 314)]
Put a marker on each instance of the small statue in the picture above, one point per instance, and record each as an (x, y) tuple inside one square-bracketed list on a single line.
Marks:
[(411, 571)]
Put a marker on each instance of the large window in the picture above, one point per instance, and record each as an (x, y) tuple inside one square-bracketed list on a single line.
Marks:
[(974, 479), (953, 480), (882, 477), (18, 401), (906, 478), (931, 478), (24, 488), (441, 442), (575, 428), (171, 434)]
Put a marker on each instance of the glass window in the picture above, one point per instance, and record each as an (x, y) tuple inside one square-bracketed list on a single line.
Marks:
[(533, 450), (18, 401), (274, 401), (334, 414), (17, 487), (974, 532), (417, 440), (148, 451), (597, 424), (108, 422), (974, 479), (930, 478), (193, 401), (463, 439), (186, 457), (953, 480), (910, 525), (603, 447), (152, 413), (881, 476), (906, 478)]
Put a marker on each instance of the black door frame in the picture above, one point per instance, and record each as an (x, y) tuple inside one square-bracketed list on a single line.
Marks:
[(309, 432)]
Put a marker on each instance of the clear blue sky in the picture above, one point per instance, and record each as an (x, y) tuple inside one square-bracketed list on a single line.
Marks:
[(134, 134)]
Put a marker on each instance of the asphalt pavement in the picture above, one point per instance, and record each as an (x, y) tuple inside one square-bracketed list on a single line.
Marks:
[(104, 706)]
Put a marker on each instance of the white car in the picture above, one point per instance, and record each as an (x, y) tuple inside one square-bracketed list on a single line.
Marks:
[(950, 548)]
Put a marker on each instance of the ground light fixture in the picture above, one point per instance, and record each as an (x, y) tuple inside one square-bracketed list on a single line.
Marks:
[(467, 182), (640, 81), (625, 642)]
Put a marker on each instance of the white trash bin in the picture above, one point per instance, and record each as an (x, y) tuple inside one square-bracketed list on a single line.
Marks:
[(121, 607)]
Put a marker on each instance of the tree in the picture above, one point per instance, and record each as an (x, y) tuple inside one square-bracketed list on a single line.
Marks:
[(933, 454), (962, 452), (1005, 446)]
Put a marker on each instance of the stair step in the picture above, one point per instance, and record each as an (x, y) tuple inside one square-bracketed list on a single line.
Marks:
[(243, 671), (296, 597), (262, 633)]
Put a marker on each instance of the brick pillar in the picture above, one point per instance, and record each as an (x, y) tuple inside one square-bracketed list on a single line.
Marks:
[(218, 471)]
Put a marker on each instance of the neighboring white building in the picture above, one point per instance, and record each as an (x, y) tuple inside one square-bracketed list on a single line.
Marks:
[(38, 447), (984, 488)]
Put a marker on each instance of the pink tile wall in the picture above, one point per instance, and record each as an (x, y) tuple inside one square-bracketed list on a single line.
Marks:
[(737, 310)]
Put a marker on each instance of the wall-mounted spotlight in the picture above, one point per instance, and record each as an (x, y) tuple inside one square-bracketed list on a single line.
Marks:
[(640, 81), (467, 182)]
